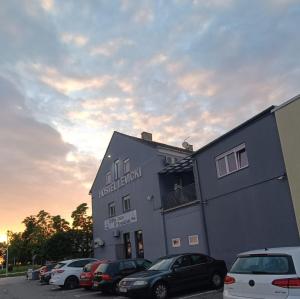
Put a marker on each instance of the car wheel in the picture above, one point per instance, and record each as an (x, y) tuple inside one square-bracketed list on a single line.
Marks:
[(217, 280), (160, 291), (71, 283)]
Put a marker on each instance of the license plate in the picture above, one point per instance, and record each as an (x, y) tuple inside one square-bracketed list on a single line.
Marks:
[(123, 290), (96, 284)]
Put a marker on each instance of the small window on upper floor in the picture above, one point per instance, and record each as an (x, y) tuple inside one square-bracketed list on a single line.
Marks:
[(108, 178), (117, 169), (111, 209), (126, 166), (126, 203), (232, 161)]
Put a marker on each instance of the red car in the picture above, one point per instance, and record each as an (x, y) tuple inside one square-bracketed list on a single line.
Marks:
[(87, 276)]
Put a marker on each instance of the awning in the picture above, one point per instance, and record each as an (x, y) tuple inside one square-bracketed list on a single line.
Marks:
[(183, 165)]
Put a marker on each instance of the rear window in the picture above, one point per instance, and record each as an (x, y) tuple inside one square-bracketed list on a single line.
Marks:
[(59, 265), (87, 268), (102, 268), (263, 264)]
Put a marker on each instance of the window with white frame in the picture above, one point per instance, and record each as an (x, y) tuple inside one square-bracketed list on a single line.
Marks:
[(117, 169), (108, 178), (126, 166), (126, 203), (232, 161), (111, 209)]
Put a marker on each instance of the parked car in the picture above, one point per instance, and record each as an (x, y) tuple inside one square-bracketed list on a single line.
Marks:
[(267, 273), (108, 275), (66, 273), (45, 273), (87, 275), (174, 273)]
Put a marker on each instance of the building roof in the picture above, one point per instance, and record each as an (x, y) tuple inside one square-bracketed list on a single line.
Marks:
[(155, 143), (242, 125), (286, 103)]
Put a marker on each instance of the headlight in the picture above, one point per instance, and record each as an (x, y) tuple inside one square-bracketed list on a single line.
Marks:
[(140, 283)]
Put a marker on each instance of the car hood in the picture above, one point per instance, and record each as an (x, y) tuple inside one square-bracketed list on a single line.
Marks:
[(145, 274)]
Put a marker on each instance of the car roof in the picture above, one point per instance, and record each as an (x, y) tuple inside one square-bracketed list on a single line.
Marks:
[(279, 250), (79, 259)]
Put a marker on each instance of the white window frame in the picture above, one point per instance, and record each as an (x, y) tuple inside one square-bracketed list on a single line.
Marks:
[(116, 169), (225, 155), (176, 242), (126, 162), (108, 181), (110, 205), (126, 198)]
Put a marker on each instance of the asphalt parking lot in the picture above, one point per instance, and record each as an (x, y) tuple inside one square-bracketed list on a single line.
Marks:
[(20, 288)]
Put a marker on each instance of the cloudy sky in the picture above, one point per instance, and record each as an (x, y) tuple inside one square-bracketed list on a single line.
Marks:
[(72, 72)]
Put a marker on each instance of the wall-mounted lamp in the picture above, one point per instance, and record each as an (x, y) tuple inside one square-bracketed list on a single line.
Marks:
[(150, 197), (109, 156)]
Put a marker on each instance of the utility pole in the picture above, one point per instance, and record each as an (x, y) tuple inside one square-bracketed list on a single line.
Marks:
[(7, 241)]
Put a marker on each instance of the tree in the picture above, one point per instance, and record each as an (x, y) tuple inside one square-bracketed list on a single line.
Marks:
[(83, 230), (59, 224)]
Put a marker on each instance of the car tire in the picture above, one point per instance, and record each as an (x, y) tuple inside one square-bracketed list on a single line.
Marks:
[(217, 280), (71, 283), (115, 288), (160, 291)]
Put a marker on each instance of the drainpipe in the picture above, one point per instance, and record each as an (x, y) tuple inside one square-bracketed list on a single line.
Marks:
[(202, 203)]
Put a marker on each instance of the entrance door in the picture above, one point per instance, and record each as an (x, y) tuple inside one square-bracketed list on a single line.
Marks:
[(139, 244), (127, 246)]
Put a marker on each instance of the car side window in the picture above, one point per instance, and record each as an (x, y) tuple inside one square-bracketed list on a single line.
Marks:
[(183, 261), (126, 265), (199, 259), (79, 264)]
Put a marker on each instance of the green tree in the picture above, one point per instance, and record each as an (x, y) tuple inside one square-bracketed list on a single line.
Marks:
[(82, 230), (59, 224)]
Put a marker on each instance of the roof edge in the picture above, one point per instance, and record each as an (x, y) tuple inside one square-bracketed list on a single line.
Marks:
[(269, 110), (286, 103)]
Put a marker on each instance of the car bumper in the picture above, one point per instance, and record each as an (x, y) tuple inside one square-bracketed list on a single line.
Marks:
[(135, 291), (59, 281), (105, 286), (85, 283)]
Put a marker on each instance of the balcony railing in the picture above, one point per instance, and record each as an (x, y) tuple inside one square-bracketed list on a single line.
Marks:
[(180, 196)]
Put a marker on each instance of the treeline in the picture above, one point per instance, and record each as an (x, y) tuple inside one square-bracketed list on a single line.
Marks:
[(49, 237)]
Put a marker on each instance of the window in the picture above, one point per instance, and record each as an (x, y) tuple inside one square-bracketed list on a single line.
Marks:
[(111, 209), (198, 259), (108, 178), (232, 161), (127, 265), (183, 261), (126, 203), (127, 245), (117, 169), (126, 166)]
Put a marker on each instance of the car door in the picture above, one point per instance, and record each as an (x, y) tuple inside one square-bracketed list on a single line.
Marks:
[(77, 266), (181, 276), (200, 269)]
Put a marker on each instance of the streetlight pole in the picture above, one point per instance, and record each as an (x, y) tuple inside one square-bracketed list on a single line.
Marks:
[(7, 240)]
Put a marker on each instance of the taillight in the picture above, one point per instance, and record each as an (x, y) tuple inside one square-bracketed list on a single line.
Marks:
[(60, 271), (106, 277), (288, 283), (229, 280)]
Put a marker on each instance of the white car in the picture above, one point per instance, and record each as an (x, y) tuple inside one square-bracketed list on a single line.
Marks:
[(265, 274), (66, 273)]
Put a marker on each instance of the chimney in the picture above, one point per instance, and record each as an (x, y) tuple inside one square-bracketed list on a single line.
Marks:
[(146, 136)]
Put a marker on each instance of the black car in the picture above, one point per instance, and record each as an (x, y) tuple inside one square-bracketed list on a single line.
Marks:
[(174, 273), (108, 275)]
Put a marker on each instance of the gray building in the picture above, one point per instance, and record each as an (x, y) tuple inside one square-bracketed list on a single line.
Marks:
[(126, 200), (233, 195)]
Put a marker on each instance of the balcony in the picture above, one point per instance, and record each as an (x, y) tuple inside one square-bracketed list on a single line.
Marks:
[(181, 196)]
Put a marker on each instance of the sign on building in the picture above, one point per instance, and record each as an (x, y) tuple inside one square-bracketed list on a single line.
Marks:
[(120, 220)]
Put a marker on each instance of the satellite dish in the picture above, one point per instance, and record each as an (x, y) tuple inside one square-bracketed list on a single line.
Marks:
[(185, 145)]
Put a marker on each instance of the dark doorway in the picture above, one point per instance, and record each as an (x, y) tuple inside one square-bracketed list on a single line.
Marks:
[(139, 244), (127, 244)]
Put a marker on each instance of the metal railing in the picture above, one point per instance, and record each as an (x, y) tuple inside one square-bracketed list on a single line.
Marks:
[(180, 196)]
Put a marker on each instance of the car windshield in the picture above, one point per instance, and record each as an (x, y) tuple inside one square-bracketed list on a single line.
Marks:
[(59, 265), (263, 264), (162, 264), (102, 268)]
